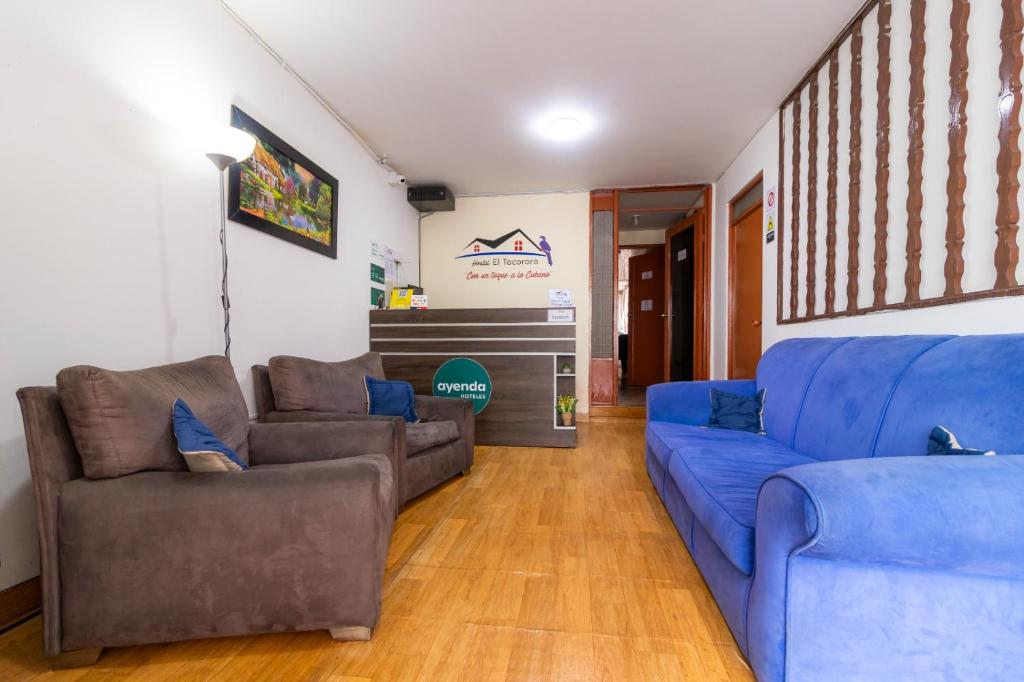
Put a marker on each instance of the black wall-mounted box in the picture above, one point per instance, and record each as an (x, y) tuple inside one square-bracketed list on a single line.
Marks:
[(431, 198)]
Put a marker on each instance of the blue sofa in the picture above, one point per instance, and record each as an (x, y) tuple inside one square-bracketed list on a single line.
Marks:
[(833, 549)]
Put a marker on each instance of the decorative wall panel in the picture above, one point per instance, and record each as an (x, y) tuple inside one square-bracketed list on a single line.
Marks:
[(900, 163)]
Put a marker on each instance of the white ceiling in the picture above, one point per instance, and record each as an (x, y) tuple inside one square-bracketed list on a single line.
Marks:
[(448, 89)]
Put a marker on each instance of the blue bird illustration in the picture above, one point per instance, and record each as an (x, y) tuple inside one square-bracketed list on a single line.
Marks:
[(546, 248)]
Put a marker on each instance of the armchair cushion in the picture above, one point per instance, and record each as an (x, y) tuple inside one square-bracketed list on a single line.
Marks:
[(121, 421), (426, 435), (304, 384)]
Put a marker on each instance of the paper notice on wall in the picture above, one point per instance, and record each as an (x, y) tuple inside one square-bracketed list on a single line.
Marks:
[(383, 271), (647, 274), (559, 298), (646, 305), (682, 255)]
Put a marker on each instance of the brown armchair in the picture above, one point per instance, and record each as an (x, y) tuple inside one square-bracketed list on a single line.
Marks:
[(432, 451), (135, 549)]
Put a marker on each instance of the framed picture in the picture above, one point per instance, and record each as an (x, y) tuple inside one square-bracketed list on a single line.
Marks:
[(279, 191)]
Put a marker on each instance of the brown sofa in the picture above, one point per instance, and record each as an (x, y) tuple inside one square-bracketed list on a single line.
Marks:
[(291, 389), (135, 549)]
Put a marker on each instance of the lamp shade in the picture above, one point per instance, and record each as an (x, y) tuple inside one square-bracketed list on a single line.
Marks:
[(225, 145)]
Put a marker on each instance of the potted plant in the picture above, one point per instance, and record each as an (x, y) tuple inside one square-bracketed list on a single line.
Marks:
[(566, 408), (566, 368)]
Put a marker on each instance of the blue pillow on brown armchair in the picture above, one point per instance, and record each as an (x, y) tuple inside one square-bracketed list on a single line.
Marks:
[(737, 412)]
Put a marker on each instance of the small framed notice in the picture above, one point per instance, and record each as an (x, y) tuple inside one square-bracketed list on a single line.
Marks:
[(559, 298), (561, 315)]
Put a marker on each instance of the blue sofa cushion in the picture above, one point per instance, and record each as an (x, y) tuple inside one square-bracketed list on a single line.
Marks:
[(719, 474), (850, 392), (720, 477), (969, 384), (786, 370), (737, 412)]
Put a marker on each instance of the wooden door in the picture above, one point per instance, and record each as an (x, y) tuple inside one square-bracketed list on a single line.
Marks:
[(745, 295), (646, 318), (680, 285)]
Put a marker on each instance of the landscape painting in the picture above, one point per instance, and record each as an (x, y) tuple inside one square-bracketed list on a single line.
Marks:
[(281, 192)]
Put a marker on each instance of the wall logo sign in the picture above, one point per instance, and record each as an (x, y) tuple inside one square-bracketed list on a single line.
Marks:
[(464, 378), (515, 255)]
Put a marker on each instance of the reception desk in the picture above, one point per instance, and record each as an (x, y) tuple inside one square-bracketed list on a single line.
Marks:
[(511, 362)]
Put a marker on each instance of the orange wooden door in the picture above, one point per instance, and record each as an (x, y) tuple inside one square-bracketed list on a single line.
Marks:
[(745, 295), (646, 318)]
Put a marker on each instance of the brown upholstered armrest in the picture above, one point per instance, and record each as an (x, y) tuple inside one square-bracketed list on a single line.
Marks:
[(291, 442), (131, 546), (459, 410)]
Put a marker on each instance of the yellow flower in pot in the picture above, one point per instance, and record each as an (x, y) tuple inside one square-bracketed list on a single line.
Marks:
[(566, 407)]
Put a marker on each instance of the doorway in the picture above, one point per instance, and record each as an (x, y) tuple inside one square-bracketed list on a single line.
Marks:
[(633, 334), (679, 259), (745, 274), (641, 310)]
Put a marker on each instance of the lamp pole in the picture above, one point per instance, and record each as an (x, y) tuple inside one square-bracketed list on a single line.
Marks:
[(231, 145)]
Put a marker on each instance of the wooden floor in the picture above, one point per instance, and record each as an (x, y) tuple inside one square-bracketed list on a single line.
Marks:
[(542, 564)]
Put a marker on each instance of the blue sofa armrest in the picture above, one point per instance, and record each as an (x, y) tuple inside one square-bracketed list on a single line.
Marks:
[(689, 402), (916, 554), (963, 514)]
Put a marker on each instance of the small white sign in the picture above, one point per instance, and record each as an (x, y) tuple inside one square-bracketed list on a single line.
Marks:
[(682, 255), (646, 305), (559, 298), (419, 302), (561, 315), (647, 274)]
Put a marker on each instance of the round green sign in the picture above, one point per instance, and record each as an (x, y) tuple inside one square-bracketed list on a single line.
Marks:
[(464, 378)]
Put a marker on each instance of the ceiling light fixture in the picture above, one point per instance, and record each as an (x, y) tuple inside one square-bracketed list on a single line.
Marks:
[(563, 126)]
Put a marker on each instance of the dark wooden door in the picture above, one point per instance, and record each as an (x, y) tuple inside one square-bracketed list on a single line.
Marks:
[(646, 318), (745, 295), (681, 283)]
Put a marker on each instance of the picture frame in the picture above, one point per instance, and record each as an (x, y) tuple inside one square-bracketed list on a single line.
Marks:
[(280, 192)]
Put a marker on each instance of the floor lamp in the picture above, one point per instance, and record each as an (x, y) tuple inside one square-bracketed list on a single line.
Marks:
[(225, 147)]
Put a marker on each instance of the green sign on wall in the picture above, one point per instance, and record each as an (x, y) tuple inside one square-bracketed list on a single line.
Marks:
[(464, 378)]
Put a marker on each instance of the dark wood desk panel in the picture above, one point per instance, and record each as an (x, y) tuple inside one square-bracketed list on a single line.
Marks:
[(521, 351)]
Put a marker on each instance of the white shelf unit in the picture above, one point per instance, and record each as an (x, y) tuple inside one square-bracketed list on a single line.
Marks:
[(556, 360)]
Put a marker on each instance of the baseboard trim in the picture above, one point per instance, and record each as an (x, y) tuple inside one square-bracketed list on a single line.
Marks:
[(597, 411), (20, 602)]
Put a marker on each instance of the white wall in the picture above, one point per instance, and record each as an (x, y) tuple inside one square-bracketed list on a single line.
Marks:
[(563, 218), (109, 249), (1000, 315)]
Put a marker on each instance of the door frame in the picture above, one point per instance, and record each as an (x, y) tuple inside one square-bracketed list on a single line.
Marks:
[(700, 222), (687, 223), (733, 219), (608, 198)]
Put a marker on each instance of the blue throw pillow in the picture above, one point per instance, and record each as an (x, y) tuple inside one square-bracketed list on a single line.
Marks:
[(737, 412), (203, 451), (391, 399), (941, 441)]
